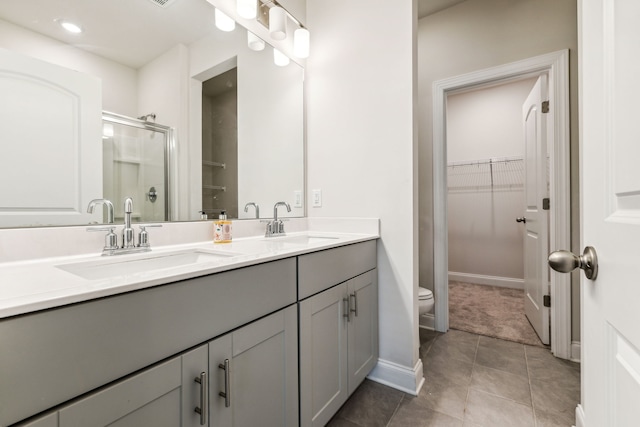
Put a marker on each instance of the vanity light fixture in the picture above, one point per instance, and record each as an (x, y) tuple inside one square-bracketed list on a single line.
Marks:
[(277, 23), (248, 9), (279, 58), (301, 43), (70, 26), (224, 22), (254, 42)]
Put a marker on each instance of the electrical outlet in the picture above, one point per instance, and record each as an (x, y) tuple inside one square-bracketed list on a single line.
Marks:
[(297, 199), (316, 198)]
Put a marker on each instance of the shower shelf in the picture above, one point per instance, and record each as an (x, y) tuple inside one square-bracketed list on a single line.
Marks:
[(214, 164), (214, 187)]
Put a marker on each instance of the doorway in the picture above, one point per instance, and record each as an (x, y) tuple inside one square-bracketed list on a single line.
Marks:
[(487, 184), (556, 66)]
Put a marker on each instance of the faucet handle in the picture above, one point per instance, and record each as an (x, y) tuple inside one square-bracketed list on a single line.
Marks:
[(110, 240), (143, 237)]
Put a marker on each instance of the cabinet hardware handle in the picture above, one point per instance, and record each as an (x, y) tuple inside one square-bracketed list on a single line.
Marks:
[(354, 295), (204, 399), (345, 308), (227, 383)]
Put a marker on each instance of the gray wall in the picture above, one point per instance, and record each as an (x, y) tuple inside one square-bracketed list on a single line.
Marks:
[(478, 34)]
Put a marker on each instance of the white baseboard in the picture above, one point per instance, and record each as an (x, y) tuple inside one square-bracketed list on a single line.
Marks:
[(427, 321), (575, 351), (580, 419), (399, 377), (479, 279)]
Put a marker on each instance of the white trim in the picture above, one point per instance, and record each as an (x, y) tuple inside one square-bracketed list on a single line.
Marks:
[(556, 64), (580, 418), (575, 351), (399, 377), (479, 279), (427, 321)]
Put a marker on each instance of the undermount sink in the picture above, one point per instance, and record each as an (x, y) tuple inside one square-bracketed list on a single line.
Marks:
[(116, 266), (301, 240)]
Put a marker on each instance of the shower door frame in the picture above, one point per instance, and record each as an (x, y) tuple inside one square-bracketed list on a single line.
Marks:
[(169, 144)]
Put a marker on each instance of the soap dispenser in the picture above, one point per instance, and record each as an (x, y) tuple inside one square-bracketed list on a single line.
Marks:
[(222, 229)]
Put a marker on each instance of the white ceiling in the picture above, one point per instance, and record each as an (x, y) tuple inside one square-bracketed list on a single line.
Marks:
[(131, 32)]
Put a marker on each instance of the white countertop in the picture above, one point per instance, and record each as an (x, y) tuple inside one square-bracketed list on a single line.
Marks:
[(37, 284)]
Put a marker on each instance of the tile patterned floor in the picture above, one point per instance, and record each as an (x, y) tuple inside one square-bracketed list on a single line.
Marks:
[(473, 381)]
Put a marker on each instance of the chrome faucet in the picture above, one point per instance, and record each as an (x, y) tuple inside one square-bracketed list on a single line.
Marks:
[(276, 227), (128, 246), (107, 203), (246, 208)]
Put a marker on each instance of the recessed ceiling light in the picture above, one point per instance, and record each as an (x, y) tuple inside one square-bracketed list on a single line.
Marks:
[(70, 26)]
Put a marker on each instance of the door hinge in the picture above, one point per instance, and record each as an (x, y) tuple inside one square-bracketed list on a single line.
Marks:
[(546, 202), (546, 300), (545, 106)]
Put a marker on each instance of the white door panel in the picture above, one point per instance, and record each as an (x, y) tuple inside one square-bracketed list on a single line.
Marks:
[(50, 118), (610, 194), (536, 278)]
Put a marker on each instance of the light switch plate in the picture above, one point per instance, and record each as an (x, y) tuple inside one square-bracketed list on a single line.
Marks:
[(316, 198), (297, 199)]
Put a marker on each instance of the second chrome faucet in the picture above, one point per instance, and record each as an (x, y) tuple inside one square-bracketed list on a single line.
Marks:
[(276, 227)]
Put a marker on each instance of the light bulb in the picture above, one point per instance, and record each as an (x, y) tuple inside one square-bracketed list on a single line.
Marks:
[(280, 59), (254, 42), (70, 26), (224, 22), (301, 43), (277, 23), (248, 9)]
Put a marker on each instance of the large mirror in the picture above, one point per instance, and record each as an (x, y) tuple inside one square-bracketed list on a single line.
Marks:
[(236, 119)]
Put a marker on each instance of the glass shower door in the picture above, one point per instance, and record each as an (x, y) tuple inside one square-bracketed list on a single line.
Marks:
[(135, 164)]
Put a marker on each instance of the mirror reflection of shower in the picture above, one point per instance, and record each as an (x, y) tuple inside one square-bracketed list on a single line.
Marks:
[(136, 164), (220, 144)]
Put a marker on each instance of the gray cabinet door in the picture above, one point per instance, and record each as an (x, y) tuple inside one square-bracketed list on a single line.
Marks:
[(163, 395), (254, 373), (363, 327), (323, 355)]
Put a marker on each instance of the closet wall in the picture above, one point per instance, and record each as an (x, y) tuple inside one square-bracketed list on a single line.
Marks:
[(485, 184)]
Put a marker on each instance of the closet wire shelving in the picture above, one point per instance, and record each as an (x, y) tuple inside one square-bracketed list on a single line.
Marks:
[(503, 173)]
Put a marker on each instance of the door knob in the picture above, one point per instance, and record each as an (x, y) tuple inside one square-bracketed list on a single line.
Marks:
[(521, 219), (565, 262)]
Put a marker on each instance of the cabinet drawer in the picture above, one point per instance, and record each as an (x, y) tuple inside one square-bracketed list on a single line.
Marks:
[(75, 349), (321, 270)]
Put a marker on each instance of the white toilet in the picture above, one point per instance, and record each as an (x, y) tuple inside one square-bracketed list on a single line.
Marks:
[(426, 302)]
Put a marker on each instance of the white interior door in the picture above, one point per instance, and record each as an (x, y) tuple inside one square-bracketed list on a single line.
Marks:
[(610, 192), (50, 143), (536, 219)]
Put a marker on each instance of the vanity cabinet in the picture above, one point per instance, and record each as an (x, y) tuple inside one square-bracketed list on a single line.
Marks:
[(56, 355), (247, 377), (283, 343), (338, 330)]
